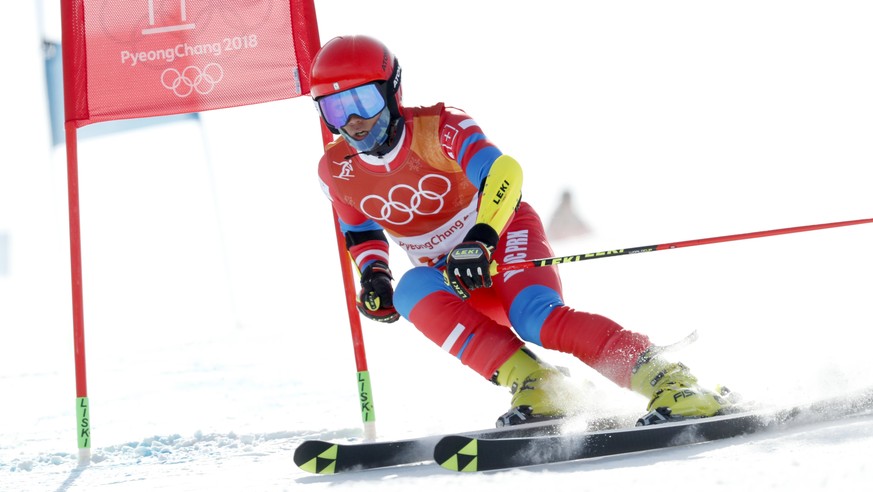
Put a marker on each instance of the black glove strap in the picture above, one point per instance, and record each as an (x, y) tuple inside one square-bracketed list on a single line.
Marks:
[(484, 234), (375, 268)]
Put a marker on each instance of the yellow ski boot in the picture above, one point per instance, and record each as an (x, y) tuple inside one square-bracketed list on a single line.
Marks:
[(673, 391), (532, 384)]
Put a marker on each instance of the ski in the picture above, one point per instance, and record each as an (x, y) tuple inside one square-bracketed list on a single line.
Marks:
[(472, 453), (327, 457)]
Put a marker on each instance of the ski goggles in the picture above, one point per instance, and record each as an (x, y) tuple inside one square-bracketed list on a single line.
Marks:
[(365, 101)]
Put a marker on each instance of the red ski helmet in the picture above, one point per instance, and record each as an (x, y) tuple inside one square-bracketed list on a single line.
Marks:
[(346, 62)]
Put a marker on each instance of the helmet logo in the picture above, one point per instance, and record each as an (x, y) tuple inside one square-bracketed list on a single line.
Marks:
[(396, 81), (336, 86)]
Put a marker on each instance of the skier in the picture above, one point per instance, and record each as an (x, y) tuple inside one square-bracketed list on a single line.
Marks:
[(429, 178)]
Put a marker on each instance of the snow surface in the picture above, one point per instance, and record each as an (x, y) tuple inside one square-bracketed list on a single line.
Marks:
[(216, 333)]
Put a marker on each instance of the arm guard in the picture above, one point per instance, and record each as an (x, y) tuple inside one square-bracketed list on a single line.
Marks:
[(500, 193)]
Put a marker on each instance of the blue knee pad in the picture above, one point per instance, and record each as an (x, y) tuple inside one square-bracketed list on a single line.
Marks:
[(529, 311), (415, 285)]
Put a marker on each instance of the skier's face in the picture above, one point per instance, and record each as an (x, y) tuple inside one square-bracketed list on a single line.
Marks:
[(358, 128)]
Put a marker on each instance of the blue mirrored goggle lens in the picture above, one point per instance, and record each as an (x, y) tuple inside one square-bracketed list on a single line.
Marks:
[(365, 101)]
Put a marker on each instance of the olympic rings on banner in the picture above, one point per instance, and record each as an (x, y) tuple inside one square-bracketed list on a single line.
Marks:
[(192, 79)]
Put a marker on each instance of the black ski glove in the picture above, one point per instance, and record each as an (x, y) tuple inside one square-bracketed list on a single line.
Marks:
[(468, 265), (376, 298)]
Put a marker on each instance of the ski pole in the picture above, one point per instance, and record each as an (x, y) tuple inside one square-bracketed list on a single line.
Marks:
[(556, 260)]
